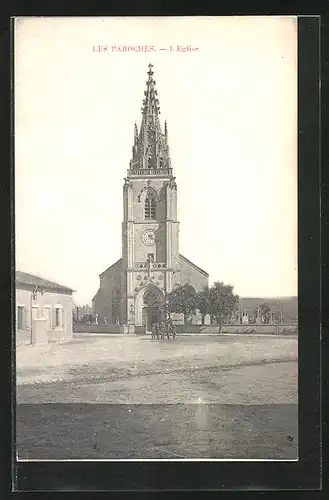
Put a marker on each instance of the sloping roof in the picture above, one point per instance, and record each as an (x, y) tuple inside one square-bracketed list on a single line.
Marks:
[(106, 270), (32, 280), (96, 295), (193, 265)]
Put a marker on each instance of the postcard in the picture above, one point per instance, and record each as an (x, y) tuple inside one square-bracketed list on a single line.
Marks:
[(156, 238)]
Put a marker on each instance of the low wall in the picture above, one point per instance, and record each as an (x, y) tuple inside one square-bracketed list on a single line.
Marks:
[(140, 330), (262, 329), (191, 328), (82, 328), (202, 329)]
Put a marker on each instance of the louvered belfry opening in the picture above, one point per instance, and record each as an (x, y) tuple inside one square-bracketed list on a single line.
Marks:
[(150, 208)]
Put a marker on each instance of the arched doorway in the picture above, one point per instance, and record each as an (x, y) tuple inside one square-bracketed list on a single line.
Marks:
[(152, 307)]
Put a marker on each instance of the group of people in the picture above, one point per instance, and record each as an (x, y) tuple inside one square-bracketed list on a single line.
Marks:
[(164, 328)]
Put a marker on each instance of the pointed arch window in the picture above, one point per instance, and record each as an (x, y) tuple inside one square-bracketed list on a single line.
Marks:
[(150, 208), (151, 299)]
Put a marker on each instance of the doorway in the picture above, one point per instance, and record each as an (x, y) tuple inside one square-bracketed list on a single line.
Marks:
[(151, 315)]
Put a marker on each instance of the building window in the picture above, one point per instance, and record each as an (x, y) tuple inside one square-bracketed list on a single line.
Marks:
[(153, 209), (20, 317), (150, 257), (150, 208), (57, 318), (47, 313), (151, 299), (138, 198)]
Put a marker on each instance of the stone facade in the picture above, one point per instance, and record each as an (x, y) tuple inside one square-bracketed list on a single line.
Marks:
[(134, 289), (107, 301), (192, 274), (48, 300)]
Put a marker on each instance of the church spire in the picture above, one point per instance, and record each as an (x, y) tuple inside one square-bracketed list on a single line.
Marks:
[(135, 134), (166, 132), (150, 150)]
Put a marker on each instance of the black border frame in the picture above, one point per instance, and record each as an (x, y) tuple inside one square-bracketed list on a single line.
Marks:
[(191, 476)]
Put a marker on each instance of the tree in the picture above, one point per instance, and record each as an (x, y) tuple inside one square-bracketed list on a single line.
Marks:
[(182, 299), (252, 318), (223, 302), (203, 302), (265, 313)]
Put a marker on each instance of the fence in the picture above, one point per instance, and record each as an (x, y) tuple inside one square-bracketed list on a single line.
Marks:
[(238, 328)]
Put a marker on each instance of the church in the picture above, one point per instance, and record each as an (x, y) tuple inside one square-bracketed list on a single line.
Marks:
[(133, 290)]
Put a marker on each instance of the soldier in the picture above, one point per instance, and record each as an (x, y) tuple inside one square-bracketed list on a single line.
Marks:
[(157, 332), (162, 330), (173, 330)]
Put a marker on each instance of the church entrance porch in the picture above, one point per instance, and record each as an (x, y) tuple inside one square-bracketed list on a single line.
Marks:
[(151, 315), (149, 306)]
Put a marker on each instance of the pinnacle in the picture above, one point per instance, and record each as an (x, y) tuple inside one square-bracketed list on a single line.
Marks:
[(150, 101), (150, 150), (150, 72)]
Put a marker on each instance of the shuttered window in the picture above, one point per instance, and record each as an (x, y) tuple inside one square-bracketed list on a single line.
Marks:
[(58, 317), (20, 318), (150, 209), (47, 314)]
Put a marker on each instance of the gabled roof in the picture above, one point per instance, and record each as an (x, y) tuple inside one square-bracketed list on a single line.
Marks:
[(193, 265), (106, 270), (95, 296), (33, 280)]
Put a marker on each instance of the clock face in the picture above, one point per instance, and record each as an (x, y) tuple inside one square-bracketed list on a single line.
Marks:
[(148, 237)]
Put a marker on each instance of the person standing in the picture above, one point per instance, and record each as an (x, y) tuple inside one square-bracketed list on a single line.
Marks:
[(157, 330), (173, 330)]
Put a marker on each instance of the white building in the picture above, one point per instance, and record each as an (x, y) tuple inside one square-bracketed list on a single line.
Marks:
[(40, 298)]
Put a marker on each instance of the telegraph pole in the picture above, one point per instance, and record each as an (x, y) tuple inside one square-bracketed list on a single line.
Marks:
[(32, 297)]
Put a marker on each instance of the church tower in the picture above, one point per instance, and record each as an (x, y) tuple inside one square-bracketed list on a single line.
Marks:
[(150, 230), (133, 290)]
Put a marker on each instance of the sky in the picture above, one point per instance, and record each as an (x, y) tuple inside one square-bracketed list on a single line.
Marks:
[(231, 110)]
